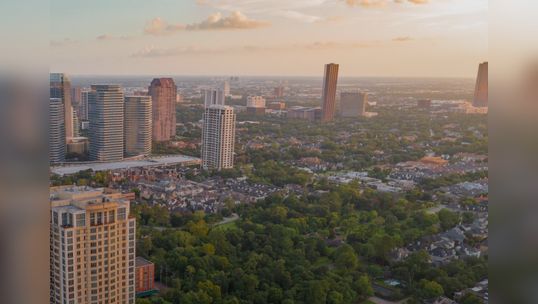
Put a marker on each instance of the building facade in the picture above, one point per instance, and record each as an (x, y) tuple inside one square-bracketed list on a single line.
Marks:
[(57, 140), (76, 94), (218, 137), (92, 247), (60, 87), (214, 98), (328, 95), (75, 123), (256, 110), (106, 123), (424, 103), (225, 87), (84, 107), (80, 145), (278, 106), (279, 91), (352, 104), (480, 98), (144, 275), (163, 92), (137, 126), (255, 101)]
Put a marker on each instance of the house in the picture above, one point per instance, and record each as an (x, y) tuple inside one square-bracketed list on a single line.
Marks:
[(399, 254), (440, 254)]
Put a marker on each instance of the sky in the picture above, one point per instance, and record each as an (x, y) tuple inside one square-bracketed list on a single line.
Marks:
[(399, 38)]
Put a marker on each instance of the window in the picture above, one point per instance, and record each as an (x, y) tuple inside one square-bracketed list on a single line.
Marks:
[(55, 215), (64, 219), (92, 218), (99, 217), (121, 214), (81, 220), (111, 216)]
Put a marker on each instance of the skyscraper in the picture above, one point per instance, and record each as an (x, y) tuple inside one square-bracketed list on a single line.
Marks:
[(480, 98), (279, 91), (214, 97), (60, 87), (84, 105), (75, 122), (328, 95), (76, 94), (92, 246), (137, 124), (352, 104), (218, 137), (57, 141), (106, 123), (226, 88), (163, 92)]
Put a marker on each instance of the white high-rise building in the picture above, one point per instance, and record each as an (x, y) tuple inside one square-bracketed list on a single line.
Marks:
[(57, 141), (84, 105), (214, 97), (218, 137), (75, 122), (226, 88), (255, 101), (106, 123)]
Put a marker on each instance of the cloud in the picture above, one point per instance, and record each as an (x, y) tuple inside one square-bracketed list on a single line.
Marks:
[(403, 39), (153, 51), (60, 42), (202, 3), (104, 37), (236, 21), (330, 19), (381, 3)]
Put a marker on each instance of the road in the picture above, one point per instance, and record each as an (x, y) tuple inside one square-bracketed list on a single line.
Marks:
[(229, 219), (381, 301), (441, 207)]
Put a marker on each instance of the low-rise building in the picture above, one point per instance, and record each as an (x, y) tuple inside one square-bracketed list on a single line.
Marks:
[(144, 275)]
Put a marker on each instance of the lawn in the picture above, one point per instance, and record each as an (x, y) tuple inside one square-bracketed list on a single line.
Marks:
[(229, 225), (321, 262)]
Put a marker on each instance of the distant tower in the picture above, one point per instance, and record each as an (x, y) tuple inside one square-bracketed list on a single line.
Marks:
[(76, 94), (57, 141), (255, 101), (481, 89), (225, 87), (60, 87), (75, 123), (352, 104), (84, 105), (106, 123), (328, 96), (218, 137), (137, 124), (279, 91), (214, 97), (163, 92), (424, 103)]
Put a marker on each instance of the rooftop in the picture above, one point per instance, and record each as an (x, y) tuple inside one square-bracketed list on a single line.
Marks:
[(141, 262)]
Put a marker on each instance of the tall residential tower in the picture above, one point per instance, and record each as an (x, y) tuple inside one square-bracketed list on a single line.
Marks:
[(57, 141), (163, 92), (137, 125), (352, 104), (218, 137), (60, 87), (106, 123), (328, 95), (214, 97)]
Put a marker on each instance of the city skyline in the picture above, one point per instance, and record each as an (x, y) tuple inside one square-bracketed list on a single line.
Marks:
[(388, 38)]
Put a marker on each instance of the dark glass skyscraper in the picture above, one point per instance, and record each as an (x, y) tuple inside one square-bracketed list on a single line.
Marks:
[(481, 89), (57, 141), (328, 96)]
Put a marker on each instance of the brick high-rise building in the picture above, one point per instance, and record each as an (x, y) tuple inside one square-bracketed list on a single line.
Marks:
[(144, 274), (480, 98), (106, 123), (424, 103), (137, 126), (218, 137), (163, 92), (279, 91), (76, 94), (92, 246), (352, 104), (328, 95), (60, 87), (276, 106), (57, 140)]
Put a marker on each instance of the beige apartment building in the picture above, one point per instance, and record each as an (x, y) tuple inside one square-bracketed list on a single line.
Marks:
[(218, 137), (92, 246)]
